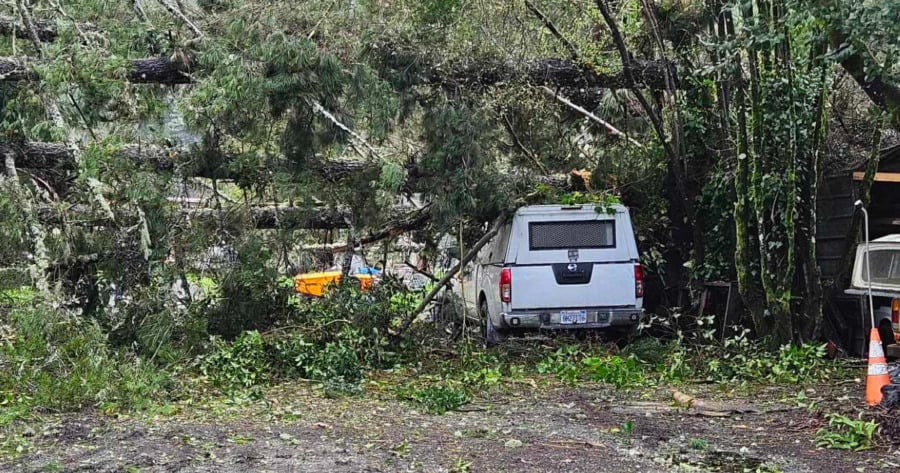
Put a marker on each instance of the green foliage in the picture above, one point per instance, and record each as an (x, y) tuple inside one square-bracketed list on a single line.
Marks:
[(570, 364), (791, 364), (241, 364), (697, 352), (698, 444), (626, 428), (562, 363), (331, 340), (54, 360), (460, 175), (614, 370), (438, 399), (603, 202), (844, 433), (716, 204)]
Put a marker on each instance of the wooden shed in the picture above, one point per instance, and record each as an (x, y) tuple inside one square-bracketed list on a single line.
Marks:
[(837, 222)]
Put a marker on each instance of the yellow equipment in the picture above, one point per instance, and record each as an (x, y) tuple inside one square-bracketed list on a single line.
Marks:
[(314, 284)]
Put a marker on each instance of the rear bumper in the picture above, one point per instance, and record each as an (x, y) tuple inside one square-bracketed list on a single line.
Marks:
[(596, 318)]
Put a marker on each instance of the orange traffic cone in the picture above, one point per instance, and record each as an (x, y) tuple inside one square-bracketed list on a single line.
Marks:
[(878, 375)]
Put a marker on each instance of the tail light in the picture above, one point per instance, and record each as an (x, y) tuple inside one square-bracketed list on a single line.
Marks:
[(638, 281), (505, 285), (895, 314)]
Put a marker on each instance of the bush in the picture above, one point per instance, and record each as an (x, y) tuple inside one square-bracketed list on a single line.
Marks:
[(844, 433), (332, 339), (243, 363), (53, 360), (614, 370)]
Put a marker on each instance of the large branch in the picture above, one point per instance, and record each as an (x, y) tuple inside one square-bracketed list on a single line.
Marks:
[(152, 70), (46, 30), (550, 72), (39, 155), (283, 218), (43, 156), (469, 256)]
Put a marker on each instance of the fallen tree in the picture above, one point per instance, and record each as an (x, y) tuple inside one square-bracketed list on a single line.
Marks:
[(43, 156), (150, 70), (547, 72)]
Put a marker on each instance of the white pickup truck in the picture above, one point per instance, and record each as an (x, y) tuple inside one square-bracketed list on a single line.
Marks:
[(560, 267), (885, 257)]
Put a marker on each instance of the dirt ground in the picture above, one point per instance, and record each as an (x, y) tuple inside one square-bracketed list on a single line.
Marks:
[(522, 428)]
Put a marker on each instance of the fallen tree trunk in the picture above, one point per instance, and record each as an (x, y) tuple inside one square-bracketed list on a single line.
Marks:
[(553, 72), (559, 73), (548, 72), (282, 218), (151, 70), (45, 29), (40, 155)]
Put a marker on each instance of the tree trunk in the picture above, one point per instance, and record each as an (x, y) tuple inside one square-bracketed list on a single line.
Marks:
[(40, 155)]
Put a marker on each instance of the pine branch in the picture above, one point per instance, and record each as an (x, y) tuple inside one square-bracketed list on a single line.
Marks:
[(181, 16), (613, 130)]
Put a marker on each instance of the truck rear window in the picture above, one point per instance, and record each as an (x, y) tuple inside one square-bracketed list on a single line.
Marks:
[(885, 267), (584, 234)]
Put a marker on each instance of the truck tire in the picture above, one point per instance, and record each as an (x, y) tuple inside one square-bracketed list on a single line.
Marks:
[(490, 333)]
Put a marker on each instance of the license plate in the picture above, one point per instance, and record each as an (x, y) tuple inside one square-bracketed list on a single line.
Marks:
[(568, 317)]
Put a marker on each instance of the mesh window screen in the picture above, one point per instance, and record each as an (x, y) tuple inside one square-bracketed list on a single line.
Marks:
[(572, 235)]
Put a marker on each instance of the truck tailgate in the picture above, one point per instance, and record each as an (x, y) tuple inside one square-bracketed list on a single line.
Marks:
[(562, 285)]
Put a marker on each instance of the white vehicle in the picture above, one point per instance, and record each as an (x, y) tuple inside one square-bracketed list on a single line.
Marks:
[(560, 267), (885, 258)]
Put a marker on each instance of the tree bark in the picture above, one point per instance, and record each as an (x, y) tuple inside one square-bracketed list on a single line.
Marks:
[(45, 29), (884, 95), (152, 70), (41, 155)]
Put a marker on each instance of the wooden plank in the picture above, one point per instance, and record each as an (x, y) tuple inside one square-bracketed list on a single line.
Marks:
[(879, 176)]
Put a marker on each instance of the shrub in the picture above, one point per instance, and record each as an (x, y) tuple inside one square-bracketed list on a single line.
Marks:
[(241, 364), (614, 370), (439, 399), (846, 434), (55, 360), (332, 339)]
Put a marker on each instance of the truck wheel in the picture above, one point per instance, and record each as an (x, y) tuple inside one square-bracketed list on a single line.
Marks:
[(491, 335)]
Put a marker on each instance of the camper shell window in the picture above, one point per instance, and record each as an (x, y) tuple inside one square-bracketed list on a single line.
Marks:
[(885, 267), (584, 234)]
